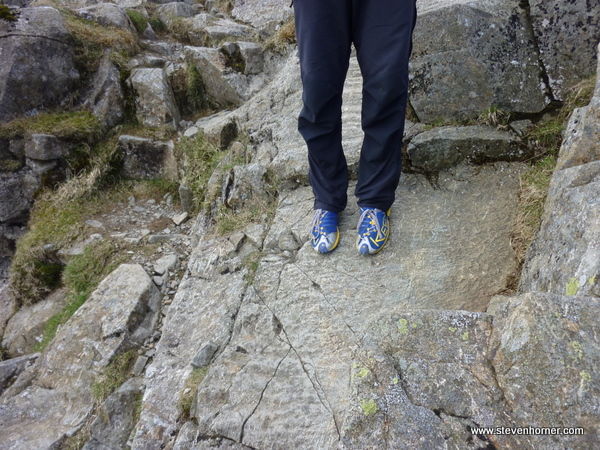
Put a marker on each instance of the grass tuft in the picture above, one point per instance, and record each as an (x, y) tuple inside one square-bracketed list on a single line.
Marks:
[(532, 197), (284, 37), (200, 158), (113, 376), (140, 22), (81, 276), (494, 117), (10, 165), (189, 391), (179, 28), (190, 91), (92, 40), (545, 138), (81, 126)]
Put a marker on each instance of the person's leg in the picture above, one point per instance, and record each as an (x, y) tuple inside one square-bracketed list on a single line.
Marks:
[(383, 40), (323, 32)]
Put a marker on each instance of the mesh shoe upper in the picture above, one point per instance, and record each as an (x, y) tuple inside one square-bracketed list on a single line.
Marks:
[(373, 230), (324, 232)]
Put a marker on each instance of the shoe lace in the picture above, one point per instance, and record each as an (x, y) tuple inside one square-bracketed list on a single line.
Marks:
[(321, 216), (373, 222)]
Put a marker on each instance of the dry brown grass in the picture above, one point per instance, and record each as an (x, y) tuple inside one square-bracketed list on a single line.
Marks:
[(545, 139), (284, 37), (532, 197)]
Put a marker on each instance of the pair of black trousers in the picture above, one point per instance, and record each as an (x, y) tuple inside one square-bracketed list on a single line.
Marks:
[(381, 31)]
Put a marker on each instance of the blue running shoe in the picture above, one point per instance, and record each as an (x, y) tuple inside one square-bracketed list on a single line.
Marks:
[(373, 230), (324, 231)]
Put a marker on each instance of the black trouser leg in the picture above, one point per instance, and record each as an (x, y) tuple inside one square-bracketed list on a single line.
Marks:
[(383, 40), (323, 33)]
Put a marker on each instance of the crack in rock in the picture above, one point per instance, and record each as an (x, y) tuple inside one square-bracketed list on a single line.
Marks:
[(314, 382), (320, 290), (262, 395)]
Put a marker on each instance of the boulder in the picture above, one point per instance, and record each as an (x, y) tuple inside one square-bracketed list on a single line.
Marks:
[(576, 26), (108, 15), (168, 11), (265, 15), (547, 361), (37, 70), (145, 158), (19, 189), (216, 76), (12, 368), (570, 228), (443, 147), (471, 55), (45, 147), (154, 99), (116, 417), (581, 138), (427, 373), (25, 329), (244, 57), (569, 233), (104, 94), (244, 184), (219, 129), (207, 30), (120, 314)]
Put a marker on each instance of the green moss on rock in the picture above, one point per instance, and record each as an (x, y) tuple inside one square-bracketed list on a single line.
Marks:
[(369, 407)]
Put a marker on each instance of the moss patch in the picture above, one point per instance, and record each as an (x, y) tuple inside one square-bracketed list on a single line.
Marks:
[(403, 326), (140, 22), (369, 407), (7, 14), (572, 287)]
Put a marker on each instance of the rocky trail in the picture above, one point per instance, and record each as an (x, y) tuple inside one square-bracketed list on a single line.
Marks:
[(248, 339)]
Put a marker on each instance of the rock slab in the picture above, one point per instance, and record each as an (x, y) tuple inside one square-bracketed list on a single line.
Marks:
[(471, 55), (37, 70), (53, 398)]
